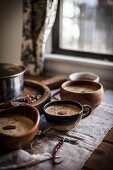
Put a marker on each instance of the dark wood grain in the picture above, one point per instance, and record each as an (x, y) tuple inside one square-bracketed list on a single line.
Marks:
[(54, 82), (102, 158), (109, 137)]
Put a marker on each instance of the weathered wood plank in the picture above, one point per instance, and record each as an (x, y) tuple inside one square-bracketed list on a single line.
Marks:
[(109, 137), (36, 78), (52, 82), (101, 159)]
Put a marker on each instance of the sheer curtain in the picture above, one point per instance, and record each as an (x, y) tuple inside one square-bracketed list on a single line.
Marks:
[(38, 19)]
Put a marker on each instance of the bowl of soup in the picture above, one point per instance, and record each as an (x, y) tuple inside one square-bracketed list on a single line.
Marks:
[(64, 115), (85, 92), (18, 127)]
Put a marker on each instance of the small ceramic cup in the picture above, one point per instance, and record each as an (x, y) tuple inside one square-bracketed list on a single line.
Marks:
[(64, 115), (89, 76)]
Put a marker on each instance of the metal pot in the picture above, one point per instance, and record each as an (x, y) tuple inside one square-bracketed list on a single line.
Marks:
[(11, 81)]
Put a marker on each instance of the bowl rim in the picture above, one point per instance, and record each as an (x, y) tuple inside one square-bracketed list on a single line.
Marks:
[(70, 82), (29, 131), (46, 95)]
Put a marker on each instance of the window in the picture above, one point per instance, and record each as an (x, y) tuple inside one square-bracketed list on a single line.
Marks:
[(84, 28)]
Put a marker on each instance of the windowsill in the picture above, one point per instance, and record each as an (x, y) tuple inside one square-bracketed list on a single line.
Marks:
[(78, 59), (64, 65)]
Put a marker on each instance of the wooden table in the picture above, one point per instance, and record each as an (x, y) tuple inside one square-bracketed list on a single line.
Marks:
[(102, 157)]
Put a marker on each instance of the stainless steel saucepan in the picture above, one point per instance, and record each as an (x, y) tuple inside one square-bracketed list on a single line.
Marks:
[(11, 81)]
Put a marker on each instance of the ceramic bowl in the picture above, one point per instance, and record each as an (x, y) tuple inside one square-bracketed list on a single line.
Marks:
[(85, 92), (39, 94), (18, 127), (88, 76), (64, 115)]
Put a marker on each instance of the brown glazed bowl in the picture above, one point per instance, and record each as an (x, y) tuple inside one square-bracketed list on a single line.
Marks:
[(85, 92), (18, 127), (64, 115)]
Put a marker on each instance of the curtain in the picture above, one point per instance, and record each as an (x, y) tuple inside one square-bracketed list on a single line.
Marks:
[(38, 20)]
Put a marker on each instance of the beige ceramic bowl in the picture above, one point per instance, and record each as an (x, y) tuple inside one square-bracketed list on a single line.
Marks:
[(18, 127), (85, 92), (84, 76)]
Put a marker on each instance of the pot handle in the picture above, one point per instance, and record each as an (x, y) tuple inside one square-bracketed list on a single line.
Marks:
[(86, 111)]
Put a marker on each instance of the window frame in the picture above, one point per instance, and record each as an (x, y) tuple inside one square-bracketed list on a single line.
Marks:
[(56, 49)]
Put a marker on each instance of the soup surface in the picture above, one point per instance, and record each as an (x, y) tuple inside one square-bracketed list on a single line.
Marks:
[(63, 110), (8, 70), (81, 89), (15, 125)]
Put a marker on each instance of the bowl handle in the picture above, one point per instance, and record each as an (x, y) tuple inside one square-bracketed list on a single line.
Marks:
[(86, 111), (6, 105), (10, 104)]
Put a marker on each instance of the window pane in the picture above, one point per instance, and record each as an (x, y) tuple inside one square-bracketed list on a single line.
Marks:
[(87, 25)]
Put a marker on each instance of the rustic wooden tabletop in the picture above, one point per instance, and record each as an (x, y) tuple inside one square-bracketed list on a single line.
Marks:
[(102, 157)]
